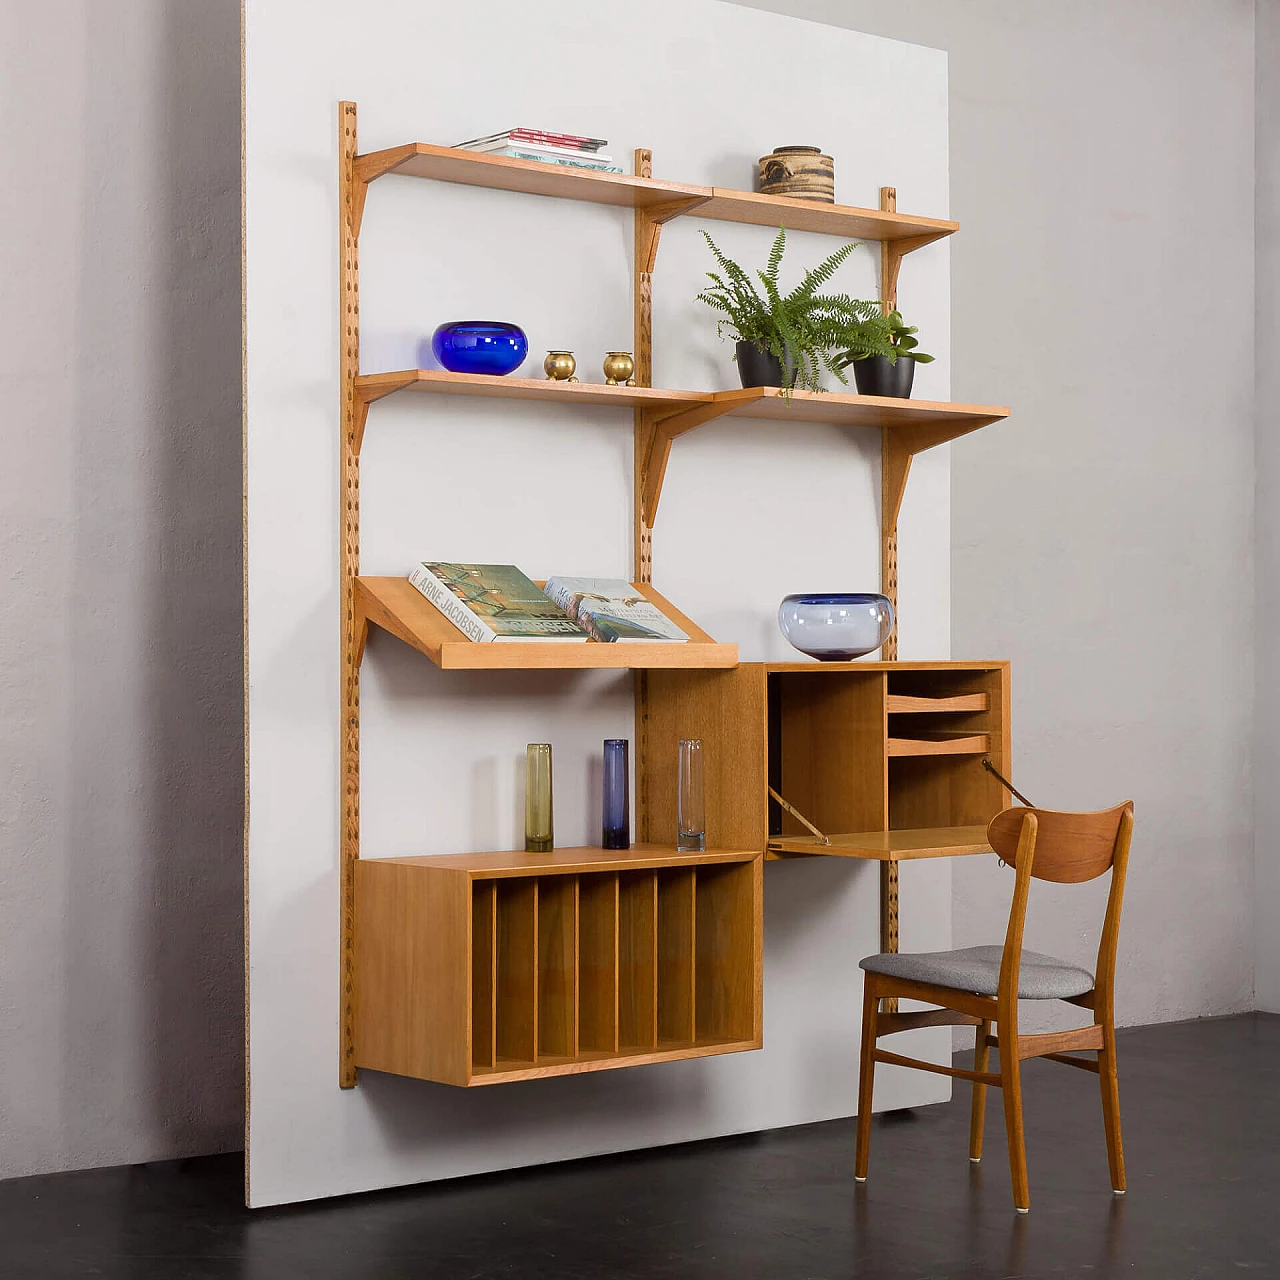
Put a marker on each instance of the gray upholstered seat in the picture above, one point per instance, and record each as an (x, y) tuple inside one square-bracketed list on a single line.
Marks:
[(977, 970)]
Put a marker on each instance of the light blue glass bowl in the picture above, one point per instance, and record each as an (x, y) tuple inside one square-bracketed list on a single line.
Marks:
[(836, 626)]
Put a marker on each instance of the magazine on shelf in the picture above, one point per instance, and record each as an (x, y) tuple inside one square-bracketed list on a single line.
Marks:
[(540, 136), (520, 153), (489, 602), (501, 145), (611, 609)]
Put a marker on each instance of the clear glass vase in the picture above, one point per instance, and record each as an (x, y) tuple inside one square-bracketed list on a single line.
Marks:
[(691, 818)]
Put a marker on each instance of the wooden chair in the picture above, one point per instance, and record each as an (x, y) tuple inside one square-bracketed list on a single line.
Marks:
[(979, 986)]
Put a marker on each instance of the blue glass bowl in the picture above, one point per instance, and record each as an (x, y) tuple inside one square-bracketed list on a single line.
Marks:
[(835, 626), (480, 346)]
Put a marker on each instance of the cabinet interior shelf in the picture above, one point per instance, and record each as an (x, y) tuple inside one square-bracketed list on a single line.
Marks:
[(400, 608), (664, 200), (939, 744)]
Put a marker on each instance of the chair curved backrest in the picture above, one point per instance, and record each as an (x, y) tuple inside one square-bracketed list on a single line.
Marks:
[(1068, 848)]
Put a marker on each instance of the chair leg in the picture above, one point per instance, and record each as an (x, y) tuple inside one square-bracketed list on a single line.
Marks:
[(866, 1077), (978, 1114), (1111, 1105), (1011, 1082)]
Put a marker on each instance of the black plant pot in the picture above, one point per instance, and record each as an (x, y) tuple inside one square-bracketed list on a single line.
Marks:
[(875, 376), (759, 367)]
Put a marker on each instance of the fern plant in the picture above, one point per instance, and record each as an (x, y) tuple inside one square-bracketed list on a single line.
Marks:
[(880, 335), (800, 328)]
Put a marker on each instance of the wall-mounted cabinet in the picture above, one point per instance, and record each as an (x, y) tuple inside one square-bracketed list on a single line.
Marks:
[(485, 968), (885, 759)]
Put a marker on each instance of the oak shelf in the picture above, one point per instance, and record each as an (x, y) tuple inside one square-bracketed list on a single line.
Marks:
[(666, 199), (908, 704), (400, 608), (939, 745), (572, 861)]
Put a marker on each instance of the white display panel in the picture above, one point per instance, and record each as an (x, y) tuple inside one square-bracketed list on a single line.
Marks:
[(750, 511)]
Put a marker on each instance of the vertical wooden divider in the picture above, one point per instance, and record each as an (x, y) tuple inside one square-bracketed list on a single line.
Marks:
[(557, 1017), (517, 971), (598, 964), (677, 947), (484, 974), (728, 963), (638, 960)]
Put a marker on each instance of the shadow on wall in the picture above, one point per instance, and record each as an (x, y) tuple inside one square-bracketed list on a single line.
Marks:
[(154, 1011)]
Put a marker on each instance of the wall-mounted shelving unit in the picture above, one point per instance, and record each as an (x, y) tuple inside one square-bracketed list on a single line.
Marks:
[(487, 967)]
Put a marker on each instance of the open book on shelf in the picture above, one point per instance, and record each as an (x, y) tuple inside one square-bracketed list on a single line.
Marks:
[(497, 602)]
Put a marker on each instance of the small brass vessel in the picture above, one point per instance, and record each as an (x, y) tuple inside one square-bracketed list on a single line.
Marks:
[(618, 368), (559, 366)]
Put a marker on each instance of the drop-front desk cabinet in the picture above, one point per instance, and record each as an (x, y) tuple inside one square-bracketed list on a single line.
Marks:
[(487, 967)]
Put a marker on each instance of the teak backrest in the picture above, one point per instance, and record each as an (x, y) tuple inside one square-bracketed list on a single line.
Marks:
[(1068, 848)]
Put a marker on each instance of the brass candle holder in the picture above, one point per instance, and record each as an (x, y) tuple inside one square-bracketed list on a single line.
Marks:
[(560, 366), (619, 368)]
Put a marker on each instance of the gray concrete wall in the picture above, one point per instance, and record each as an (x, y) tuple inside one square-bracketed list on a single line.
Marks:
[(121, 1026), (1267, 758), (1102, 164)]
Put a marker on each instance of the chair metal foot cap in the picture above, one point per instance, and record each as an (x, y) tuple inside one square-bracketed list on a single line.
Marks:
[(857, 1179), (975, 1159), (1114, 1192), (1017, 1210)]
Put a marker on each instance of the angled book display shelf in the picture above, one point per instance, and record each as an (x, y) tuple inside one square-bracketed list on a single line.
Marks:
[(481, 968)]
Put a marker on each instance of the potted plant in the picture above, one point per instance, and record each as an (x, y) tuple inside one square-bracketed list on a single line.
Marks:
[(783, 340), (882, 350)]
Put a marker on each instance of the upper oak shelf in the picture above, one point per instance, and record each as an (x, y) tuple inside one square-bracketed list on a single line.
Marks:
[(664, 199), (920, 424)]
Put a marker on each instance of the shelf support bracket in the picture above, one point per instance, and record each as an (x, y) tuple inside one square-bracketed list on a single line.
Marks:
[(799, 817)]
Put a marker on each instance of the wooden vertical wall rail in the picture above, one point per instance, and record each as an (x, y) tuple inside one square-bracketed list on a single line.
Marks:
[(643, 431), (890, 261), (353, 625)]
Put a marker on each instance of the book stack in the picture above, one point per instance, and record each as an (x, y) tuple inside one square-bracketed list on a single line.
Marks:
[(551, 148), (488, 602)]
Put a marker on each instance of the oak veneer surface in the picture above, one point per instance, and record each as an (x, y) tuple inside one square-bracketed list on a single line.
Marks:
[(906, 704), (534, 177), (598, 964), (511, 1070), (891, 846), (412, 951), (847, 409), (721, 204), (502, 864), (397, 606), (955, 745), (439, 382), (838, 779)]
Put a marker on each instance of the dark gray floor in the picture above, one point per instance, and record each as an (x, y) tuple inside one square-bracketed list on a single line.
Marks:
[(1201, 1107)]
